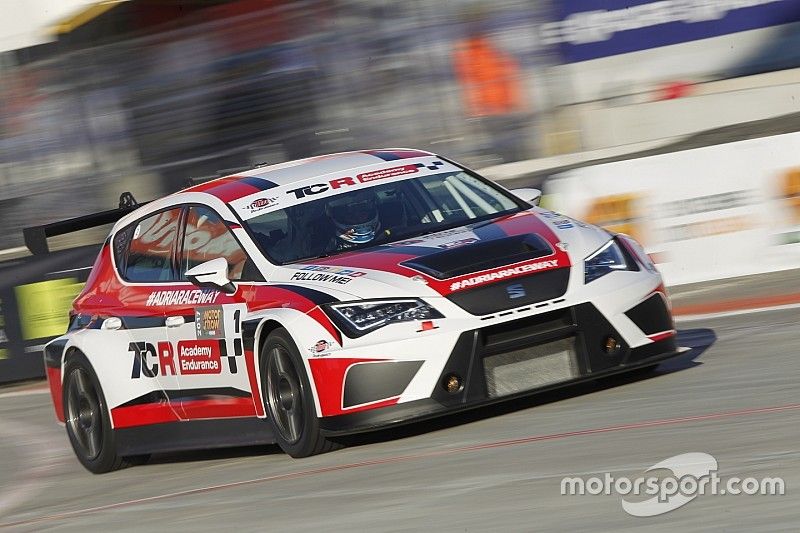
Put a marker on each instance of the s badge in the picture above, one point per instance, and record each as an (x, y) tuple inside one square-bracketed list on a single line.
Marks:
[(516, 291)]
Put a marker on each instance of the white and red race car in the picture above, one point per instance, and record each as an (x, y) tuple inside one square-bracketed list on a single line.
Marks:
[(299, 302)]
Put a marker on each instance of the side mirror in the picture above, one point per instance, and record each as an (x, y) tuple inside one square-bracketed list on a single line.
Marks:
[(212, 275), (533, 196)]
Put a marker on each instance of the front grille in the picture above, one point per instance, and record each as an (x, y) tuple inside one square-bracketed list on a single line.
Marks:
[(534, 352), (496, 337), (525, 290), (530, 367)]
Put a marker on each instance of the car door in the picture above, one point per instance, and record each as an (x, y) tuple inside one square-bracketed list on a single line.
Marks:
[(204, 326), (145, 256)]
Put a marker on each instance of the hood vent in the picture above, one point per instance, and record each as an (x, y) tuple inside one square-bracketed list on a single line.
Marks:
[(482, 255)]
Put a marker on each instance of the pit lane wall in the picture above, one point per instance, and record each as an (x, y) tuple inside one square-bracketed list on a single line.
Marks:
[(36, 294), (709, 213)]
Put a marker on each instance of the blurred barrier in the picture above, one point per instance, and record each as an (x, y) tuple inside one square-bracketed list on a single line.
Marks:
[(246, 82), (710, 105), (36, 294), (708, 213)]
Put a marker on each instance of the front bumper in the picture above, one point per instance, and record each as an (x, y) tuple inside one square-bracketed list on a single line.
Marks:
[(518, 358)]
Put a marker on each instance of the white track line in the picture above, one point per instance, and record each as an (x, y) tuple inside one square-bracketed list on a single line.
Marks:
[(737, 312)]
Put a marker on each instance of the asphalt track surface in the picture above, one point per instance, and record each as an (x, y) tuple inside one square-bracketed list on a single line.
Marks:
[(734, 396)]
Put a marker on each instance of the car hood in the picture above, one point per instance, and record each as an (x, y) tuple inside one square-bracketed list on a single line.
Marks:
[(453, 260)]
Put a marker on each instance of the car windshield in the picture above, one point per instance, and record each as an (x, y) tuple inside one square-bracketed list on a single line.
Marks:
[(380, 214)]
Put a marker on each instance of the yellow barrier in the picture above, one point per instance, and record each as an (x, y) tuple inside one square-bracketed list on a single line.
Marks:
[(44, 306)]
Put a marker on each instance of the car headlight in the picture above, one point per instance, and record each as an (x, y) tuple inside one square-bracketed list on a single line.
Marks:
[(359, 318), (610, 257)]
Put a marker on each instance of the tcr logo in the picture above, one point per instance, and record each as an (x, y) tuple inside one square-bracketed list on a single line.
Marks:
[(149, 360), (302, 192)]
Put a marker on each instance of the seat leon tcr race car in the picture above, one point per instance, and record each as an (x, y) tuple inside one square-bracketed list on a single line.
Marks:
[(303, 301)]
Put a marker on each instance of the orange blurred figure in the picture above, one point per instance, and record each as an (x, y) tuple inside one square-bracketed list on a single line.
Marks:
[(492, 91), (489, 77)]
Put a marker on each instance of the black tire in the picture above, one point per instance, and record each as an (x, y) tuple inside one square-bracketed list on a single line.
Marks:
[(288, 398), (87, 420)]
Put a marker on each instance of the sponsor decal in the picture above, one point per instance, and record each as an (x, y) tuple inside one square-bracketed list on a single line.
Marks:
[(317, 188), (182, 297), (259, 204), (146, 360), (432, 166), (209, 322), (560, 221), (387, 173), (563, 223), (327, 274), (458, 243), (504, 273), (335, 270), (199, 357), (516, 291), (318, 276), (367, 177), (550, 214), (319, 348), (188, 358)]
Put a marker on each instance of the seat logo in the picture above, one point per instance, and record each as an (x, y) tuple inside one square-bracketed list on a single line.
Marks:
[(515, 291)]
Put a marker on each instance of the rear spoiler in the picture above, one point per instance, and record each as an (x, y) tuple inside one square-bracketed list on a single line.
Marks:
[(36, 236)]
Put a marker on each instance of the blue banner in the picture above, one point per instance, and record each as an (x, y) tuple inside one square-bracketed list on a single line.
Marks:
[(590, 29)]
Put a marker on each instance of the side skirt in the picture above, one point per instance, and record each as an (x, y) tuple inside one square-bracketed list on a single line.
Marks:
[(193, 435)]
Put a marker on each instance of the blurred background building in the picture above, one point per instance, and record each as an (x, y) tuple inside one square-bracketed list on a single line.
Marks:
[(101, 97)]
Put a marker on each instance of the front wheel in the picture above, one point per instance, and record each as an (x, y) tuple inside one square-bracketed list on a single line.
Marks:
[(288, 398)]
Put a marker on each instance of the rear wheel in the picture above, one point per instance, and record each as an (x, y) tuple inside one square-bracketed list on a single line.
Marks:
[(288, 398), (87, 420)]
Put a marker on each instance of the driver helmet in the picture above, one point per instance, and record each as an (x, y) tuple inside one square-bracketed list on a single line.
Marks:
[(355, 217)]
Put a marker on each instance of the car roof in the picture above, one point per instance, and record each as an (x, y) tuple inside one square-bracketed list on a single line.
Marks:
[(229, 188)]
